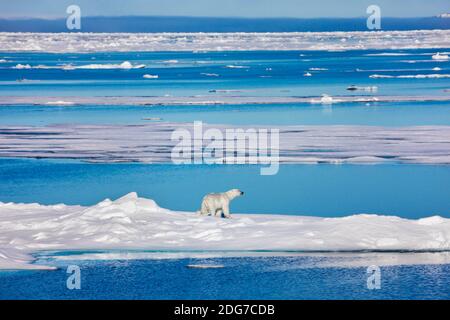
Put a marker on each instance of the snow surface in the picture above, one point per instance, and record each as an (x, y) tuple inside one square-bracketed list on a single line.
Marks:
[(136, 223), (200, 42)]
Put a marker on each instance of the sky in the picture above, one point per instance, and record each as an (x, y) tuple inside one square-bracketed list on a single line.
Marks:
[(223, 8)]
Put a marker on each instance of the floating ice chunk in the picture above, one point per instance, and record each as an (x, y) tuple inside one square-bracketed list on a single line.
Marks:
[(60, 103), (205, 266), (369, 88), (150, 76), (325, 99), (232, 66), (68, 67), (387, 54), (22, 66), (209, 74), (440, 57), (411, 76), (123, 65), (381, 76), (425, 76), (307, 74)]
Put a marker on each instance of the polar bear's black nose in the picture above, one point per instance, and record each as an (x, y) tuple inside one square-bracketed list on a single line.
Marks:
[(242, 192)]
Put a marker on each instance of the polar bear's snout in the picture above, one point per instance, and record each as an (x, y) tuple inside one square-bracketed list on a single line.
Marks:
[(218, 204)]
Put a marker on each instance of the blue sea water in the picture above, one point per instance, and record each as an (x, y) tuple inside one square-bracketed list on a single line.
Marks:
[(268, 73), (378, 114), (327, 190), (409, 191), (280, 277), (101, 23)]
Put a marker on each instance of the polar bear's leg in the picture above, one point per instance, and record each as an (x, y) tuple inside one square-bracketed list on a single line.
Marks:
[(219, 213), (226, 211), (204, 209)]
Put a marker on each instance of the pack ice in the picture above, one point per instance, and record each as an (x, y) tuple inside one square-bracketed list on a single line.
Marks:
[(132, 222)]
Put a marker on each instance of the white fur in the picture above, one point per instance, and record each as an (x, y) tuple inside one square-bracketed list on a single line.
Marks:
[(216, 204)]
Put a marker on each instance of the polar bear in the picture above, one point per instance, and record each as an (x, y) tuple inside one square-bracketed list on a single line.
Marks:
[(217, 204)]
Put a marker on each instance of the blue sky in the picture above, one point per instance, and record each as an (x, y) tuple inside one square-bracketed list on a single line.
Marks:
[(224, 8)]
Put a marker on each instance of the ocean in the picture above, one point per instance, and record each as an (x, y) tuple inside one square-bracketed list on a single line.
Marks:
[(403, 90)]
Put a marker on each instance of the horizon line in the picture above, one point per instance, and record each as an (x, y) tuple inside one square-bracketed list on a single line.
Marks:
[(210, 17)]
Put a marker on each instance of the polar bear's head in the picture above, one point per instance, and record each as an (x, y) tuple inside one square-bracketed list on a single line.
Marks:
[(233, 193)]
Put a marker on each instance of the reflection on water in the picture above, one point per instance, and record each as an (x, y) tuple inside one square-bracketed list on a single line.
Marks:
[(315, 259)]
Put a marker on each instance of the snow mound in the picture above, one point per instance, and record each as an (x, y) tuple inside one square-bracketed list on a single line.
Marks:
[(131, 222)]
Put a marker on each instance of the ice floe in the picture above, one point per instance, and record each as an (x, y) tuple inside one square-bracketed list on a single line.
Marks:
[(232, 66), (152, 143), (201, 100), (137, 223), (411, 76), (201, 42), (22, 66), (209, 74), (325, 99), (439, 56), (368, 88), (388, 54), (150, 76), (124, 65), (60, 103)]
